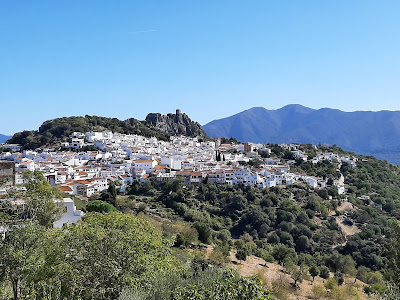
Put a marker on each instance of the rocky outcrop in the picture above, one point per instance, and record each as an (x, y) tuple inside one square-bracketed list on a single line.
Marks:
[(175, 124)]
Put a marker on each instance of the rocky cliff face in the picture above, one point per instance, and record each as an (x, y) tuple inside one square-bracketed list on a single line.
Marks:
[(176, 124)]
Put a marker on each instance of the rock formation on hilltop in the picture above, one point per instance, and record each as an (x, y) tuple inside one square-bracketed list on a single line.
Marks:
[(175, 124), (53, 132)]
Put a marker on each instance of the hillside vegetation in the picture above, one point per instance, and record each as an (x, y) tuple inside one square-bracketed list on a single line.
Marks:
[(52, 132), (105, 256), (173, 241), (311, 232)]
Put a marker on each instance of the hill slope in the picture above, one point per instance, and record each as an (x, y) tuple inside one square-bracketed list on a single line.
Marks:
[(372, 133), (52, 132)]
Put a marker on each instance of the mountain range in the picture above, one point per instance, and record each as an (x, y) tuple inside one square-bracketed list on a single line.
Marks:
[(4, 138), (365, 132)]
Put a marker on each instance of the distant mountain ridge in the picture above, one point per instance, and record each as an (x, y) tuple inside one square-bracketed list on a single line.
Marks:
[(4, 138), (366, 132)]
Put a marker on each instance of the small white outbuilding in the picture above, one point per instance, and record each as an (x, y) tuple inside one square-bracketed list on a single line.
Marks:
[(72, 215)]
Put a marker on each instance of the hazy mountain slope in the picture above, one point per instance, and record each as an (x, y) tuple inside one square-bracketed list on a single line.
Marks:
[(4, 138), (374, 133)]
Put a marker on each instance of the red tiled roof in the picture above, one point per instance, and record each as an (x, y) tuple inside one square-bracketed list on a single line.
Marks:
[(64, 188)]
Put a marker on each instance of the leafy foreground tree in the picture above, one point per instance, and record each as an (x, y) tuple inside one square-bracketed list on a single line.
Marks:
[(200, 282), (20, 256), (99, 206), (20, 250), (41, 205), (95, 259), (231, 286)]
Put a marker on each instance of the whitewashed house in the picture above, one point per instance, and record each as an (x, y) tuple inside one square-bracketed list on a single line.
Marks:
[(71, 215)]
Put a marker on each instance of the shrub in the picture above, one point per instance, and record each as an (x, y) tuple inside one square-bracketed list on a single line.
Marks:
[(100, 206), (204, 231), (324, 272)]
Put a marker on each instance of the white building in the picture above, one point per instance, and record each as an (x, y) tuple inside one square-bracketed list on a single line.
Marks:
[(71, 215), (145, 164)]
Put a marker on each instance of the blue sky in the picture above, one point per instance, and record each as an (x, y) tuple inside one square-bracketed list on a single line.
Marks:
[(211, 59)]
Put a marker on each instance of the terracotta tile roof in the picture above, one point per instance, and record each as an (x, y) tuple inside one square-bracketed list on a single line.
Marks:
[(197, 174), (85, 182), (183, 172), (64, 188), (160, 167)]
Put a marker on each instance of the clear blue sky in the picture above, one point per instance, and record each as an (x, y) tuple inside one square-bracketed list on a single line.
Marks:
[(211, 58)]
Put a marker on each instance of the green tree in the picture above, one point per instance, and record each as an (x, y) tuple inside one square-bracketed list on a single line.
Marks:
[(299, 273), (241, 254), (324, 272), (98, 257), (288, 155), (273, 238), (20, 255), (100, 206), (280, 252), (334, 261), (314, 271), (41, 200), (340, 278), (230, 286), (110, 195), (204, 231), (394, 265), (302, 243)]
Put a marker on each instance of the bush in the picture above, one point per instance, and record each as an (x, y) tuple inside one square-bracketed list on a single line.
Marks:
[(230, 286), (100, 206), (142, 207), (204, 232), (331, 284), (324, 272), (340, 278), (224, 235), (186, 235), (377, 288), (241, 254), (318, 291), (218, 258)]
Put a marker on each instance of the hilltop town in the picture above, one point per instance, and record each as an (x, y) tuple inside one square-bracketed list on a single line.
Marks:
[(123, 159)]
